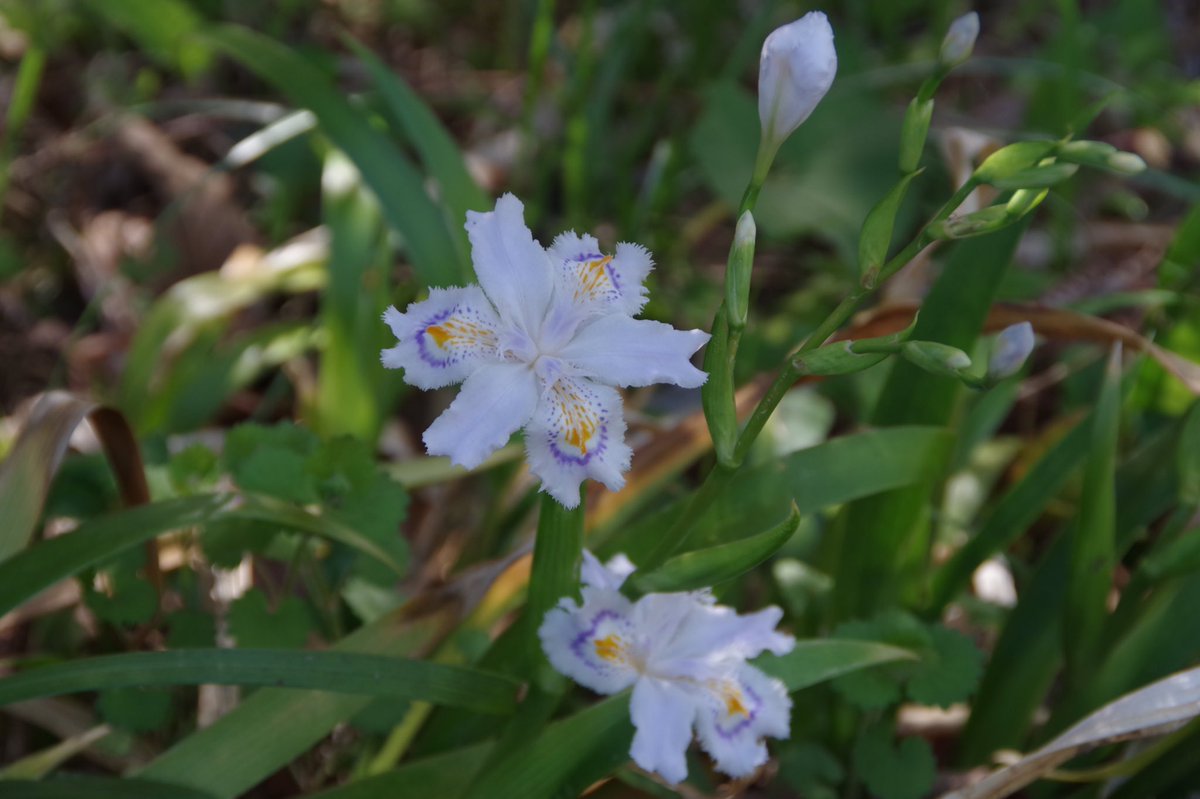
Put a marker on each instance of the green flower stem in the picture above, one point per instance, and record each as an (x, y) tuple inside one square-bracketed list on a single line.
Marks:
[(676, 536), (762, 165), (557, 554)]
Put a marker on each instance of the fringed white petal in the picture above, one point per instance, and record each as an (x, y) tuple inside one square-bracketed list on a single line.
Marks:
[(595, 283), (592, 643), (577, 432), (718, 632), (443, 338), (513, 269), (495, 401), (610, 576), (741, 709), (621, 351), (662, 712)]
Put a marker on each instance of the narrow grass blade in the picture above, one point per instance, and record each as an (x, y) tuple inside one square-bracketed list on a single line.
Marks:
[(884, 540), (1013, 514), (348, 394), (549, 761), (341, 672), (1028, 654), (96, 788), (556, 559), (432, 142), (39, 764), (396, 183), (701, 568), (39, 567), (165, 28), (1093, 544), (554, 574), (812, 662), (440, 775), (274, 726)]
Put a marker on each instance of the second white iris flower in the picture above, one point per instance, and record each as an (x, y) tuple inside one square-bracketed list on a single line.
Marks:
[(685, 657)]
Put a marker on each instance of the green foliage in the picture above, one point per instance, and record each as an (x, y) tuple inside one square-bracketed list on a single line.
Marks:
[(947, 670), (811, 770), (289, 462), (342, 166), (137, 709), (253, 624), (893, 770)]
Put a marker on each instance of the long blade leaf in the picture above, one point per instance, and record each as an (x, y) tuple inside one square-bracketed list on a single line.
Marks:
[(392, 177), (96, 540), (96, 788), (342, 672)]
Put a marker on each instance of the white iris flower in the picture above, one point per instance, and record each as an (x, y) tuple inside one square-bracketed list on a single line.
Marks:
[(686, 660), (540, 343)]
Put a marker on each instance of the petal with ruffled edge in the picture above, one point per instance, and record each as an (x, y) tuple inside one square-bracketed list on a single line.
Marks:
[(513, 269), (609, 576), (444, 338), (592, 643), (662, 712), (597, 282), (716, 632), (658, 618), (495, 401), (621, 351), (741, 709), (578, 431)]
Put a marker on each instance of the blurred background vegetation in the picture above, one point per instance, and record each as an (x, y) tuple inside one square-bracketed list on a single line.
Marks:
[(206, 205)]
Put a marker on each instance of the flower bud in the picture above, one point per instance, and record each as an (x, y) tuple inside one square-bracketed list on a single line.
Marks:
[(737, 274), (938, 359), (960, 40), (1125, 163), (795, 71), (1010, 351), (985, 220)]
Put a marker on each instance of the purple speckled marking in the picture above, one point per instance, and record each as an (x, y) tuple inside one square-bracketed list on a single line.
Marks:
[(578, 460), (423, 350), (581, 640), (755, 704)]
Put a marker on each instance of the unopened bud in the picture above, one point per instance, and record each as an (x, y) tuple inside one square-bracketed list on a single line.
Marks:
[(795, 71), (1047, 173), (1011, 159), (1125, 163), (737, 275), (960, 40), (1010, 351), (938, 359), (977, 223), (1101, 155)]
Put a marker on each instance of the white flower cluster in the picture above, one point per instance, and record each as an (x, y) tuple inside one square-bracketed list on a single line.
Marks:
[(685, 658)]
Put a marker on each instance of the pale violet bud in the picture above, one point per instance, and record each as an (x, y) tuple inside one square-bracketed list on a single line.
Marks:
[(960, 40), (1010, 351), (796, 70)]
